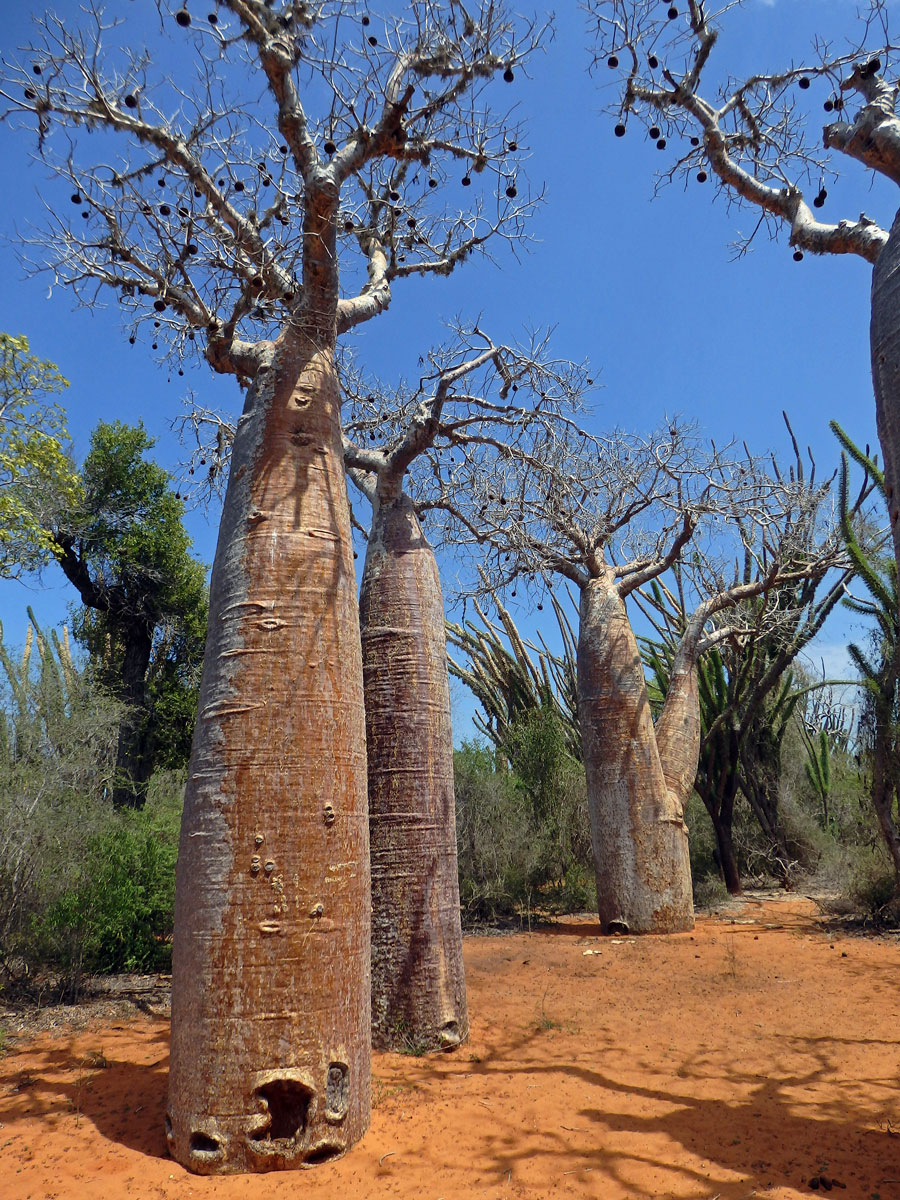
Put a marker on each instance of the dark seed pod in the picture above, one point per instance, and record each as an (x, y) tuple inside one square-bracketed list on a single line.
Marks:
[(238, 186), (798, 256), (654, 131), (85, 214), (394, 195), (29, 94), (512, 191), (466, 181), (36, 67), (661, 144), (180, 372), (155, 346), (348, 226), (76, 197), (192, 247), (672, 13), (432, 183), (411, 223), (373, 40), (702, 177), (828, 105), (164, 210), (364, 21), (161, 182), (508, 75), (183, 17), (213, 18), (652, 62), (159, 304), (612, 62), (803, 82), (130, 101), (132, 340), (695, 141), (282, 149), (619, 131), (512, 147)]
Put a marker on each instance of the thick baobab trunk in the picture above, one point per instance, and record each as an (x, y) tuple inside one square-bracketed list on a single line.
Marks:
[(418, 982), (270, 997), (678, 726), (639, 835), (885, 346)]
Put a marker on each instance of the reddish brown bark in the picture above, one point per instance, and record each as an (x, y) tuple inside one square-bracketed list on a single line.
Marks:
[(678, 726), (639, 835), (418, 981), (885, 348), (270, 1002)]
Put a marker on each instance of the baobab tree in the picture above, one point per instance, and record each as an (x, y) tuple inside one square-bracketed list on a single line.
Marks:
[(752, 135), (610, 515), (745, 691), (225, 224), (418, 983)]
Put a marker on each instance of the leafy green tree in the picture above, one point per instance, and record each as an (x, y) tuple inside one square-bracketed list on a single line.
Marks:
[(143, 621), (34, 461)]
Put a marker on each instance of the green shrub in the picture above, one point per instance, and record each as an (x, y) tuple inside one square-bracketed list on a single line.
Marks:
[(118, 915)]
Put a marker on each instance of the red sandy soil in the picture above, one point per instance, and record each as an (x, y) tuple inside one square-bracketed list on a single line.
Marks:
[(747, 1059)]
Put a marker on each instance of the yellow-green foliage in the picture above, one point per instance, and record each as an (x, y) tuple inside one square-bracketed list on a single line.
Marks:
[(35, 466)]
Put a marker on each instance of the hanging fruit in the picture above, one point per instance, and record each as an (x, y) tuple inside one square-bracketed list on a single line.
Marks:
[(508, 75), (652, 62), (702, 177), (183, 17), (803, 82), (673, 13), (798, 255), (619, 130), (612, 62), (512, 191), (213, 18), (654, 131), (130, 101), (466, 181)]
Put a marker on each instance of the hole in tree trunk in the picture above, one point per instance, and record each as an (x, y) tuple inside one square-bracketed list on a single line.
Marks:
[(285, 1104), (169, 1132), (322, 1153), (337, 1092), (450, 1038), (204, 1146), (617, 927)]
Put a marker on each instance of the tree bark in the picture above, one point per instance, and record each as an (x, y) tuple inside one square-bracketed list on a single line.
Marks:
[(678, 726), (638, 831), (725, 846), (885, 347), (270, 994), (418, 980)]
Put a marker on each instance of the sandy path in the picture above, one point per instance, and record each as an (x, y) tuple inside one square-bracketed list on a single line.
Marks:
[(745, 1059)]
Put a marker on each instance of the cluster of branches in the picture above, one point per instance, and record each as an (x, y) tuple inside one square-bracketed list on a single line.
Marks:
[(208, 219), (752, 133)]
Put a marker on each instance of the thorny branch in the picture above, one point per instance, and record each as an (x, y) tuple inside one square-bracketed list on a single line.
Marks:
[(222, 221), (752, 133)]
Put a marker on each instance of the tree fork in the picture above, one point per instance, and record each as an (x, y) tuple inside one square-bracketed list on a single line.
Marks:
[(418, 980), (270, 995)]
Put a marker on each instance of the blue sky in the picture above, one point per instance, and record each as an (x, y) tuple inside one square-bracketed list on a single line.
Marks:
[(646, 288)]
